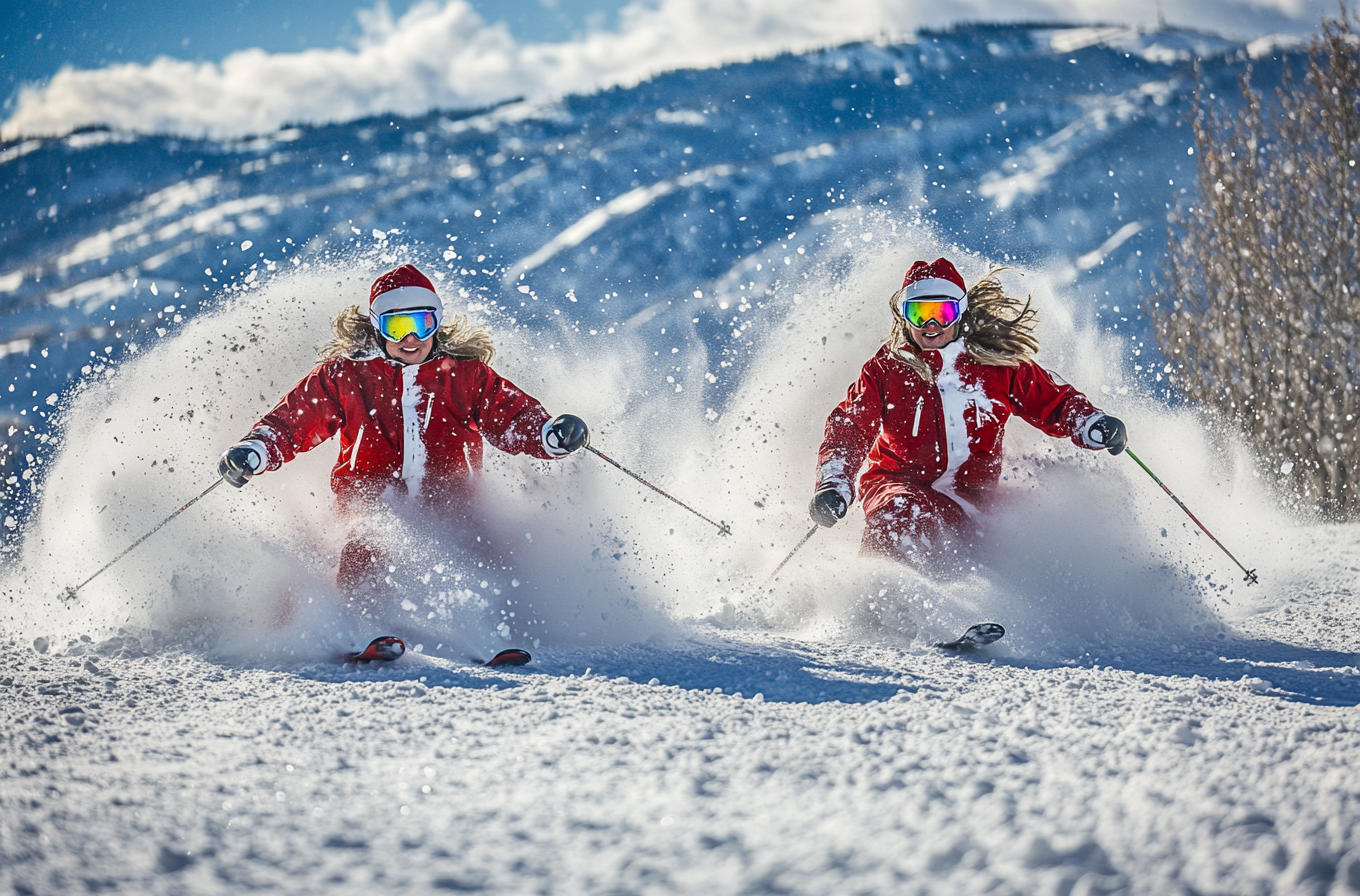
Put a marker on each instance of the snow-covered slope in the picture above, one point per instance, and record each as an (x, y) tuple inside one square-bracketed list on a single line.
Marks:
[(721, 764), (697, 266)]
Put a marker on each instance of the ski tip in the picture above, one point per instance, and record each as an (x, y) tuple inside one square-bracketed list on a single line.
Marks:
[(987, 632), (976, 636), (382, 650), (511, 657)]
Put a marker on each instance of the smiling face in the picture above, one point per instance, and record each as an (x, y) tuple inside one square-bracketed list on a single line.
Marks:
[(409, 350), (932, 336)]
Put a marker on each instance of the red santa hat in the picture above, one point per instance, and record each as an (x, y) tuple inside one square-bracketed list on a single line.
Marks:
[(938, 279), (402, 288)]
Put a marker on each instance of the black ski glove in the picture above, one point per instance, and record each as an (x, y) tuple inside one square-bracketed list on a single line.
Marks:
[(239, 463), (565, 434), (828, 506), (1107, 432)]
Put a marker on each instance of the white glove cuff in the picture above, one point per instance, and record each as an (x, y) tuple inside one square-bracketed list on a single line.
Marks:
[(832, 475), (553, 450), (261, 454), (1088, 438)]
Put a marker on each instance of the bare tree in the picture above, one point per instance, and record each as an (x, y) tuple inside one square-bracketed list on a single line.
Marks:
[(1258, 306)]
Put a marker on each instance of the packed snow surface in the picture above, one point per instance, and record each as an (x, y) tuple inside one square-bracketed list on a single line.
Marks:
[(1148, 725), (716, 763)]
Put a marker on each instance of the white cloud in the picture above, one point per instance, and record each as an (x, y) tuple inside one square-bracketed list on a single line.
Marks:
[(446, 56)]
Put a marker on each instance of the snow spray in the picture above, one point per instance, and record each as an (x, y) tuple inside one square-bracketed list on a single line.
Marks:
[(1080, 553), (250, 573)]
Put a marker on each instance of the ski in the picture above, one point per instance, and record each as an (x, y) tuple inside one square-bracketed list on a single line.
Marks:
[(979, 635), (511, 657), (382, 650)]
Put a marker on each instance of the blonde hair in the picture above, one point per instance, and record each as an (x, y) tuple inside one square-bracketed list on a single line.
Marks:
[(355, 337), (999, 329)]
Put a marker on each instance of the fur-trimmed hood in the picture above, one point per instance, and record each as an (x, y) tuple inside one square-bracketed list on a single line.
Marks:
[(356, 339)]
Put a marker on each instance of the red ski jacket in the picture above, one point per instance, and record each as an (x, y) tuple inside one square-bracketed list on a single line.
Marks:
[(944, 434), (417, 428)]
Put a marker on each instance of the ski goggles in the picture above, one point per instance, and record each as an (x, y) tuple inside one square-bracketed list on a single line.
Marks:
[(920, 312), (397, 325)]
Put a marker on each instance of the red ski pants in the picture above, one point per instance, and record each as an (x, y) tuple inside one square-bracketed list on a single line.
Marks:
[(924, 527), (360, 565)]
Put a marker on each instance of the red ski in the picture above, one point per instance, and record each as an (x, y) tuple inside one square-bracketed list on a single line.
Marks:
[(512, 657), (381, 650)]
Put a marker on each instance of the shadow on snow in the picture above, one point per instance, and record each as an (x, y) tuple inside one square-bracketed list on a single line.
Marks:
[(785, 672), (1270, 668)]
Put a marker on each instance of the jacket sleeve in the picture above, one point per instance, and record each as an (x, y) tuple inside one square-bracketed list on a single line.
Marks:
[(1045, 400), (851, 430), (307, 416), (509, 418)]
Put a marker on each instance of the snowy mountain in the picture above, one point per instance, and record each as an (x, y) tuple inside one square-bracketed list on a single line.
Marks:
[(1059, 147), (698, 266)]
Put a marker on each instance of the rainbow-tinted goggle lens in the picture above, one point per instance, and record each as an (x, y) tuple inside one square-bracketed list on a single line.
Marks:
[(920, 312), (397, 325)]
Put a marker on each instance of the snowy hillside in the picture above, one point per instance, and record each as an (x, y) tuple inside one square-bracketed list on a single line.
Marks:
[(1052, 147), (697, 266)]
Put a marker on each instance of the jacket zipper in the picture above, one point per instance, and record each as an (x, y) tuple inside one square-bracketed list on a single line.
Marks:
[(354, 455), (916, 424), (429, 409)]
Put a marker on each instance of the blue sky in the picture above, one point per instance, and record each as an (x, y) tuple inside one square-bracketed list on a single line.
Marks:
[(40, 36)]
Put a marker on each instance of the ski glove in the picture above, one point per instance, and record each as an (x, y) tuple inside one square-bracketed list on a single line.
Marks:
[(1106, 432), (828, 506), (565, 434), (239, 463)]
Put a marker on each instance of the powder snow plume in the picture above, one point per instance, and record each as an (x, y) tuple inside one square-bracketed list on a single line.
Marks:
[(1085, 551), (251, 572), (1088, 550)]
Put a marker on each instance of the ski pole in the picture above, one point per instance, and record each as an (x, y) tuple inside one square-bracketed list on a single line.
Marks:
[(70, 593), (1251, 573), (789, 556), (723, 528)]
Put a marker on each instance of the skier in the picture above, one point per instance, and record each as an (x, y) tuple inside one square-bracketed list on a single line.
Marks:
[(928, 414), (412, 399)]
